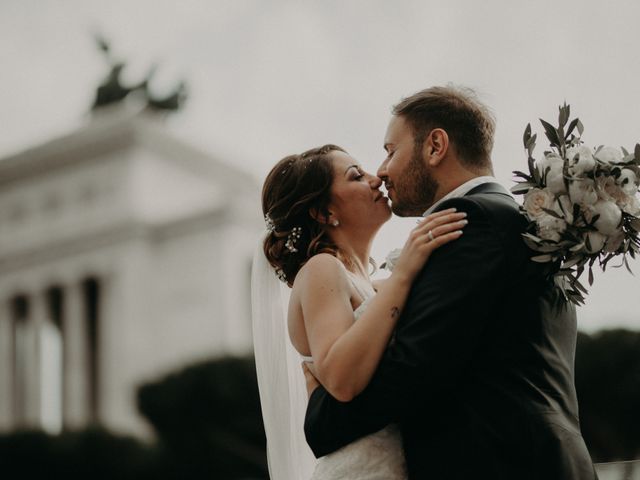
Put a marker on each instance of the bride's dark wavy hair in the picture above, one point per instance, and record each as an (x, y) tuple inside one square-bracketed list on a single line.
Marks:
[(296, 190)]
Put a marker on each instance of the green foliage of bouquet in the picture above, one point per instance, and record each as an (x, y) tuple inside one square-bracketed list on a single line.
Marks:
[(582, 204)]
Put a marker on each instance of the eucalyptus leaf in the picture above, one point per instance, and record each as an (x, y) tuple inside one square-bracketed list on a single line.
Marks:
[(571, 263), (536, 176), (626, 264), (577, 247), (576, 283), (580, 127), (547, 248), (531, 145), (563, 116), (542, 258), (527, 135), (551, 132), (562, 272), (571, 127), (521, 188), (532, 237), (533, 246), (520, 174), (553, 213), (532, 168)]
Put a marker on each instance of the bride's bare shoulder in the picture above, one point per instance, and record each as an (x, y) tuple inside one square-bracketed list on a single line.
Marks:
[(321, 268)]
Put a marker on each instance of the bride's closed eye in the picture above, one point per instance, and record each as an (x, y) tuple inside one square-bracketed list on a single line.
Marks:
[(357, 175)]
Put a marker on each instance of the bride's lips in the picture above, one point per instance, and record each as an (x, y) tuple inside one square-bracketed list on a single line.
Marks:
[(381, 197)]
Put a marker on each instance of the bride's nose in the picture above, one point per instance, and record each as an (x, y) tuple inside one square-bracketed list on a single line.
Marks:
[(375, 182)]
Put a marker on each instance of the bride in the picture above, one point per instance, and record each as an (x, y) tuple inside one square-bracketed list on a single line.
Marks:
[(322, 212)]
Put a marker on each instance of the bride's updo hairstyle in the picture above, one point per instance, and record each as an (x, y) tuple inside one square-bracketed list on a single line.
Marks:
[(296, 190)]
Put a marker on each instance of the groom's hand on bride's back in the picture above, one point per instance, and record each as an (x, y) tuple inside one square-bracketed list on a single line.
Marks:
[(310, 379)]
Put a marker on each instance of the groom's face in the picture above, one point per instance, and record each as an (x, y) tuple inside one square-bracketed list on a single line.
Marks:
[(407, 177)]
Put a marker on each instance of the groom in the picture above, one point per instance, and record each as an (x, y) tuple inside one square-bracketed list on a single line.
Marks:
[(480, 375)]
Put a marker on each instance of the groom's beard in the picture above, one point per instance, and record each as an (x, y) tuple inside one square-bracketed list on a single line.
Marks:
[(416, 190)]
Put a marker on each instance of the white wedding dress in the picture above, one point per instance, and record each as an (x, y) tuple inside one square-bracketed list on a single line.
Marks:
[(378, 456)]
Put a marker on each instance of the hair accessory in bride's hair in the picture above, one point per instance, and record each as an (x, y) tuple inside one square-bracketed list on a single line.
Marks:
[(281, 275), (293, 238), (271, 227)]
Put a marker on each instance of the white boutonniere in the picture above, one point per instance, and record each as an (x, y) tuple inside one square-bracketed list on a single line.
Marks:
[(391, 259)]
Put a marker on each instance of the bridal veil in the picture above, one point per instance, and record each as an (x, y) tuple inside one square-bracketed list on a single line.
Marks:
[(283, 394)]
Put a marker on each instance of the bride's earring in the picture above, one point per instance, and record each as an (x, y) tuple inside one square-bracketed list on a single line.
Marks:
[(335, 223)]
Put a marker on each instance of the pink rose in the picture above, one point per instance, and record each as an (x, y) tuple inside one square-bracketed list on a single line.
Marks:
[(535, 200)]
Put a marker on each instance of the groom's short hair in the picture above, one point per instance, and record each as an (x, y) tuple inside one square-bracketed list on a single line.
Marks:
[(469, 123)]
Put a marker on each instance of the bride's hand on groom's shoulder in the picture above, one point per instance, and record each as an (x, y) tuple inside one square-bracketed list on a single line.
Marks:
[(310, 377), (431, 233)]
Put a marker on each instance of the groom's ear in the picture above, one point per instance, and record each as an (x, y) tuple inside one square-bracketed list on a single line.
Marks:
[(435, 147)]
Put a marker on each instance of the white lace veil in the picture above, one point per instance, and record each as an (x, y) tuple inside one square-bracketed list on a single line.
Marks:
[(281, 382)]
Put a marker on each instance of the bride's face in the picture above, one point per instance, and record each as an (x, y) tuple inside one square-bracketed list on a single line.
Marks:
[(356, 199)]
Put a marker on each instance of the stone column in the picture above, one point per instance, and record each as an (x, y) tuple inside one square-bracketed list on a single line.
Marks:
[(6, 367), (35, 324), (75, 367)]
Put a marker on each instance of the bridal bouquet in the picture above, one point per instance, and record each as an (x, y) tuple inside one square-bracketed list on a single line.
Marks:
[(582, 204)]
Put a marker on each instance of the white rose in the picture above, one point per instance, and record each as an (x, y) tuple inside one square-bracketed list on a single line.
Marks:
[(549, 159), (628, 182), (580, 160), (595, 241), (535, 200), (614, 242), (550, 227), (609, 155), (631, 205), (609, 217), (554, 176), (583, 192)]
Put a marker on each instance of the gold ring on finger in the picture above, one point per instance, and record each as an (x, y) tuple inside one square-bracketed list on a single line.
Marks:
[(430, 236)]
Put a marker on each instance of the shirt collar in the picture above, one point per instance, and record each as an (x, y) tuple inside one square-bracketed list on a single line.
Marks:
[(460, 191)]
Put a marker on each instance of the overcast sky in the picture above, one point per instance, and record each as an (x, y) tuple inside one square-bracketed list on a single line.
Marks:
[(269, 78)]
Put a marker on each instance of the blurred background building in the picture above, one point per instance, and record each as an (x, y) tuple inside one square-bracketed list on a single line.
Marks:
[(125, 253)]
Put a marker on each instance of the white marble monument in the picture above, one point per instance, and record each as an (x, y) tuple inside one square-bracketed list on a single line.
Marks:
[(124, 254)]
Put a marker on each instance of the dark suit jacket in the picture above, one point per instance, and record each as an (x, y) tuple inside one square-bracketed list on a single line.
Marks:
[(480, 374)]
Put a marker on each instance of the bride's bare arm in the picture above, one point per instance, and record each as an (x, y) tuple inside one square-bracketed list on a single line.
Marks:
[(346, 353)]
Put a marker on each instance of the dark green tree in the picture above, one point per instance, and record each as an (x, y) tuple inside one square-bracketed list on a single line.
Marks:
[(208, 419), (608, 385), (94, 453)]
